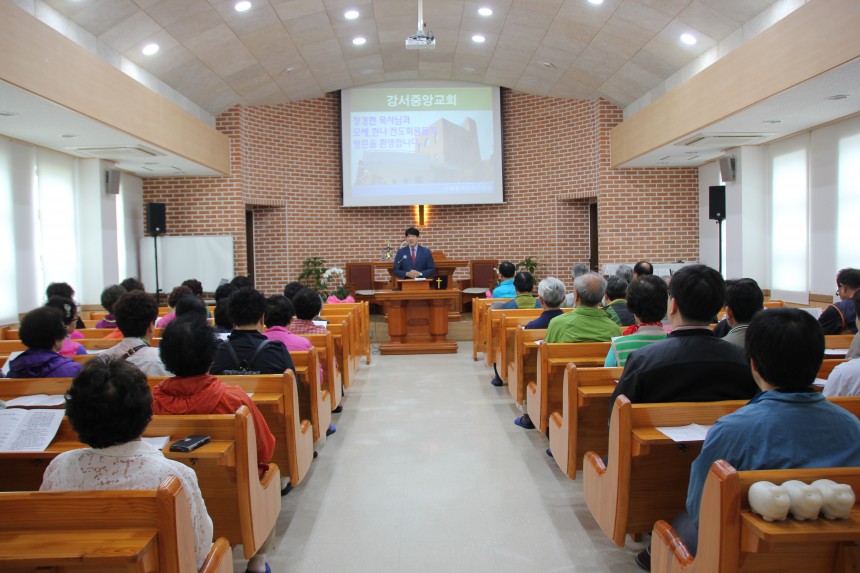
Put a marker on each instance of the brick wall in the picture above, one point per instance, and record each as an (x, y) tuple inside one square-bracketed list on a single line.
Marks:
[(286, 170)]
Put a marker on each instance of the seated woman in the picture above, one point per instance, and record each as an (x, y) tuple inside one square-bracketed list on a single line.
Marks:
[(172, 299), (646, 299), (109, 297), (70, 318), (187, 349), (65, 290), (279, 314), (109, 405), (43, 333)]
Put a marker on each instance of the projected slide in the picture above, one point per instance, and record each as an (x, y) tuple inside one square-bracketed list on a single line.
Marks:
[(421, 145)]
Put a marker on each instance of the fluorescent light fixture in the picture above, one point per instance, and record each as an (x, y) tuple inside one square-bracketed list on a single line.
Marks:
[(596, 2), (688, 39), (149, 49), (351, 14), (484, 11), (243, 6), (478, 39), (359, 40)]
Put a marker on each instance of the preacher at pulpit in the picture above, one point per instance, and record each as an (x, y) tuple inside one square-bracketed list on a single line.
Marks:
[(413, 261)]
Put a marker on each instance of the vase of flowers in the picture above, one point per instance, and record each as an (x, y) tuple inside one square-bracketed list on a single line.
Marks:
[(335, 285)]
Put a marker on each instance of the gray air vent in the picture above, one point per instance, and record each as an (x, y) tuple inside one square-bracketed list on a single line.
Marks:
[(723, 140), (120, 153)]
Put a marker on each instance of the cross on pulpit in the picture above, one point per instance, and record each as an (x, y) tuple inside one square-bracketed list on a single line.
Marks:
[(438, 282)]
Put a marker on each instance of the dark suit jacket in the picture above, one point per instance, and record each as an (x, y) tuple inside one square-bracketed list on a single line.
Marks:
[(423, 262), (274, 358), (689, 366)]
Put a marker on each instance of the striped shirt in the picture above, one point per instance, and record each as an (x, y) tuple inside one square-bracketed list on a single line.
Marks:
[(623, 346)]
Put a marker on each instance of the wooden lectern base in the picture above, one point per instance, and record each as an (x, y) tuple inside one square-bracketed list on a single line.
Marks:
[(417, 321)]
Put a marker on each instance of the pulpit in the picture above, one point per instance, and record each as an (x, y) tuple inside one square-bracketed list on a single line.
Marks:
[(417, 318)]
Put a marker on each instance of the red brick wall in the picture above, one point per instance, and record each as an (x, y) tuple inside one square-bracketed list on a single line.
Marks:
[(286, 169)]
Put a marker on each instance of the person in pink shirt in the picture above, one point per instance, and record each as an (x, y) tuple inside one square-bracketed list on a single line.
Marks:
[(70, 317), (174, 297)]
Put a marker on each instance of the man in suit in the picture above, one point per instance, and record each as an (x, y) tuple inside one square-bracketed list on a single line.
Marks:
[(413, 261)]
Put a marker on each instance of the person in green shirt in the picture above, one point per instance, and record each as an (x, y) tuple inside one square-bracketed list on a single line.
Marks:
[(587, 322)]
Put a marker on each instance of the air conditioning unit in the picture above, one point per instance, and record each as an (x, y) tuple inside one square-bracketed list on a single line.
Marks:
[(723, 140)]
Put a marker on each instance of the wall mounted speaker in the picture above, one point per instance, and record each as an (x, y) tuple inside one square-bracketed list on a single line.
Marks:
[(156, 219), (717, 202), (112, 177), (727, 168)]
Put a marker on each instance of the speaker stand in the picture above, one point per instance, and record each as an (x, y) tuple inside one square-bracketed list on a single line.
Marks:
[(157, 289), (719, 245)]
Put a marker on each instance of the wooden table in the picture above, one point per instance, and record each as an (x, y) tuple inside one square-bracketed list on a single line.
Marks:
[(418, 321)]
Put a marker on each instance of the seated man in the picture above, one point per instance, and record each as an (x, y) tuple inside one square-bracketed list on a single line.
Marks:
[(646, 297), (550, 296), (506, 289), (413, 261), (838, 317), (641, 269), (109, 405), (136, 313), (624, 272), (247, 348), (308, 305), (43, 333), (789, 425), (587, 322), (524, 284), (692, 365), (616, 302), (223, 324), (187, 348), (743, 300), (579, 269)]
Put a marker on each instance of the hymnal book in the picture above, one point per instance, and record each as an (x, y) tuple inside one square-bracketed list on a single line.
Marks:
[(37, 401), (156, 441), (28, 430)]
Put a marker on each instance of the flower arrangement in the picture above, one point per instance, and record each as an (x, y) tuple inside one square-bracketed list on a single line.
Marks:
[(335, 283)]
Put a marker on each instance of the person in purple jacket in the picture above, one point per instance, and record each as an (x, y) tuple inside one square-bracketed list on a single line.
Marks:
[(43, 332)]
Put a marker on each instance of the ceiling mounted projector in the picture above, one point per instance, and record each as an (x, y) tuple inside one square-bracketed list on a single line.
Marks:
[(422, 39)]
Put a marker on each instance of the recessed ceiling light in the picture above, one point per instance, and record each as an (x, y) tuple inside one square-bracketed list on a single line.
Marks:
[(69, 135), (149, 49), (359, 40), (485, 11), (290, 69), (772, 121), (596, 2), (478, 39), (548, 65), (688, 39), (836, 97), (468, 69), (8, 113), (243, 6), (351, 14)]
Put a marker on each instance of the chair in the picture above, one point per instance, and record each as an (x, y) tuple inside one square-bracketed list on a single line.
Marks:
[(359, 277), (482, 274)]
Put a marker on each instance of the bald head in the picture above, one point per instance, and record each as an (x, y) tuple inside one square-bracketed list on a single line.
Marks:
[(589, 289)]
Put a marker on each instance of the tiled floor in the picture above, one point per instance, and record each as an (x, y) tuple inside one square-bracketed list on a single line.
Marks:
[(427, 472)]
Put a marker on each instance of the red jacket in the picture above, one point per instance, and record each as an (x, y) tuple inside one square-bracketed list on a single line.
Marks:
[(208, 395)]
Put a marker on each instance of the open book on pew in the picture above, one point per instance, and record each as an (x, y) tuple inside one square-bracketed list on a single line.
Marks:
[(37, 401), (28, 430)]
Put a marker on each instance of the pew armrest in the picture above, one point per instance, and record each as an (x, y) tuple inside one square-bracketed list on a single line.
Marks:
[(219, 559), (668, 552)]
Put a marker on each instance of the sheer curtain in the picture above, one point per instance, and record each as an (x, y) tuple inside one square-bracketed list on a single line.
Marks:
[(9, 300), (57, 218), (848, 203), (790, 220)]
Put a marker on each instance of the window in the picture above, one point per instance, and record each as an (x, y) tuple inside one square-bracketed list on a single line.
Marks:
[(789, 219), (57, 236), (848, 210), (9, 300)]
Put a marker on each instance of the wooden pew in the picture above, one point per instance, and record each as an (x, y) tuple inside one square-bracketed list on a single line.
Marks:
[(138, 530), (314, 400), (834, 341), (480, 306), (277, 398), (522, 368), (347, 316), (9, 346), (361, 311), (13, 333), (734, 539), (496, 334), (341, 341), (646, 475), (332, 379), (503, 323), (275, 395), (544, 395), (827, 367), (582, 425), (243, 506)]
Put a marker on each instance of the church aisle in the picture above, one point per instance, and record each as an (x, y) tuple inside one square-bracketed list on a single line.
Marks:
[(427, 472)]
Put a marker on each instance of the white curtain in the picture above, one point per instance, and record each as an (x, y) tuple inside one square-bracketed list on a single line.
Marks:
[(848, 206), (790, 220)]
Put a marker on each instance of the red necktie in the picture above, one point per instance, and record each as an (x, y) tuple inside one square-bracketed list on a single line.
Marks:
[(413, 256)]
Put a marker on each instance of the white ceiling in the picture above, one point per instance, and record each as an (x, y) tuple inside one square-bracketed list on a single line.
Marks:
[(287, 50)]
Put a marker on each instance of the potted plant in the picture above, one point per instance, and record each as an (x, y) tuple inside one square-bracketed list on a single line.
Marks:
[(335, 283), (528, 264), (311, 276)]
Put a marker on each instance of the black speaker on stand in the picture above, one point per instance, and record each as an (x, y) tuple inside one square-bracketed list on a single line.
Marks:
[(717, 212), (156, 224)]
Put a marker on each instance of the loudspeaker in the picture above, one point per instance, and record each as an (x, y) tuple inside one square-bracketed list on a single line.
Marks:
[(156, 219), (717, 202), (112, 181), (727, 168)]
